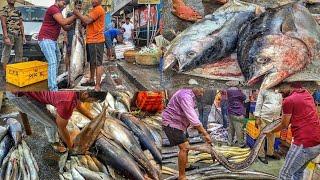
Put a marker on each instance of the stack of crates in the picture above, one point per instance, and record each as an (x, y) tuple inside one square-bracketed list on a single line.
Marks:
[(252, 133), (150, 101)]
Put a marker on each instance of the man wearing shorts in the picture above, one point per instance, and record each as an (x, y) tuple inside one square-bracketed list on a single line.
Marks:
[(48, 36), (110, 35), (177, 117), (95, 42), (300, 111)]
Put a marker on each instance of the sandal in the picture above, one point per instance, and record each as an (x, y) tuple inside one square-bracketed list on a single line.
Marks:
[(88, 84)]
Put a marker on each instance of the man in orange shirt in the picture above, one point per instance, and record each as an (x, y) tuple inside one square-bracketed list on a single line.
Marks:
[(95, 41)]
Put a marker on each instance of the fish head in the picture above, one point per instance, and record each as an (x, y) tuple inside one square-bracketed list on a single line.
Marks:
[(192, 53), (186, 45), (274, 58)]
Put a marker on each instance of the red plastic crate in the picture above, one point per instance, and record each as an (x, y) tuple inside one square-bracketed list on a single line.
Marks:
[(150, 101)]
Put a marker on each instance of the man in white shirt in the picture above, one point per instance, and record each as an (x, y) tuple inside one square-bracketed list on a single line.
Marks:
[(268, 109), (128, 26)]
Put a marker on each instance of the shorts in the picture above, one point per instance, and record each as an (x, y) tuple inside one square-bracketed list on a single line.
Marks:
[(95, 54), (175, 136), (109, 43)]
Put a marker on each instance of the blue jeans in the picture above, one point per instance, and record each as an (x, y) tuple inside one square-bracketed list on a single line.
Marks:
[(52, 53), (204, 111), (297, 160)]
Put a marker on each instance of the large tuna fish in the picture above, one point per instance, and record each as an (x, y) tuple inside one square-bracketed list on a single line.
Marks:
[(110, 153), (278, 44), (78, 55), (145, 141), (124, 137), (210, 39)]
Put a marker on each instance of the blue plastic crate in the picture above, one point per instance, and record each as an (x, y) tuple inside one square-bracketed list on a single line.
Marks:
[(250, 141), (277, 144)]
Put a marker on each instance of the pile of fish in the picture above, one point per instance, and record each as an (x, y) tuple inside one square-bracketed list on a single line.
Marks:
[(82, 167), (16, 159), (218, 133), (216, 171), (233, 154), (126, 146), (270, 44), (119, 101)]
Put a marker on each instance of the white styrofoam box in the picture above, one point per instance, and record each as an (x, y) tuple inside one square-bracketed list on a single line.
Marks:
[(121, 48)]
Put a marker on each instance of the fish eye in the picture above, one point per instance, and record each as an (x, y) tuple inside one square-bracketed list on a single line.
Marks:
[(191, 54), (263, 60)]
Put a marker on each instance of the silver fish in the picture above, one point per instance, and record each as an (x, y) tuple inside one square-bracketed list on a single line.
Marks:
[(3, 131), (122, 136), (15, 130), (78, 55), (5, 145)]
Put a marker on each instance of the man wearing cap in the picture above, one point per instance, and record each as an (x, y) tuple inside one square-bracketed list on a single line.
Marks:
[(48, 36), (300, 111)]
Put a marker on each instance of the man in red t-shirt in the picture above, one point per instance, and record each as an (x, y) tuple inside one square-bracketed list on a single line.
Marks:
[(300, 111), (48, 35), (64, 102)]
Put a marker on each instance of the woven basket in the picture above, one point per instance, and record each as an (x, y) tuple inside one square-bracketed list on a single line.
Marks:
[(129, 56), (148, 59)]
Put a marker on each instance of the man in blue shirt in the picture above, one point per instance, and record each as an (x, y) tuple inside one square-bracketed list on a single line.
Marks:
[(111, 34)]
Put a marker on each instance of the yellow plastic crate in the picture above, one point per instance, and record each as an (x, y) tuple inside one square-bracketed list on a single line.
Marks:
[(254, 132), (251, 129), (26, 73)]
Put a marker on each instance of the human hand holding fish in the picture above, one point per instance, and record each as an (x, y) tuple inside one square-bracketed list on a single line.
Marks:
[(207, 138), (76, 12)]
